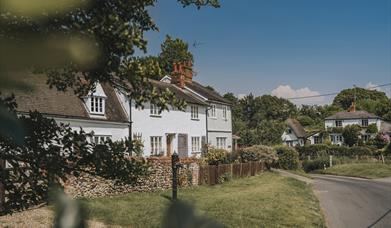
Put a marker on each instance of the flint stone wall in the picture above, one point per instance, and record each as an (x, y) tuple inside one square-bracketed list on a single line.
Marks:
[(160, 178)]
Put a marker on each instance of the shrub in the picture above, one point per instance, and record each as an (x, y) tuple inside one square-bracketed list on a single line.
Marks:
[(388, 149), (288, 158), (319, 163), (319, 150), (350, 134), (216, 156), (381, 140), (372, 129), (258, 153)]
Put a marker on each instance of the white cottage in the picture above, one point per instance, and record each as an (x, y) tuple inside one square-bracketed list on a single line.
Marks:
[(99, 113), (294, 134), (107, 113), (352, 117)]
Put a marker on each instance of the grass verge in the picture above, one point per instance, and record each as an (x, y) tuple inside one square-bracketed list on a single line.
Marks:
[(364, 170), (267, 200)]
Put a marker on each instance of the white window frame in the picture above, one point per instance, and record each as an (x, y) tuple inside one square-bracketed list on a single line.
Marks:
[(138, 136), (366, 121), (156, 145), (100, 139), (221, 142), (195, 144), (317, 140), (225, 117), (154, 110), (194, 112), (97, 105), (212, 111), (337, 123)]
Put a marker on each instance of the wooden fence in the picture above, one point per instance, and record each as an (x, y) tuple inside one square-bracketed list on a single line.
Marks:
[(213, 174)]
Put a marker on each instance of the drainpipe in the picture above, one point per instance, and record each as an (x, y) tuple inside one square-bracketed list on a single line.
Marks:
[(130, 124), (207, 136)]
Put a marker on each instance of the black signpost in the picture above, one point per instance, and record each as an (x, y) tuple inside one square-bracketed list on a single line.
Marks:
[(175, 167)]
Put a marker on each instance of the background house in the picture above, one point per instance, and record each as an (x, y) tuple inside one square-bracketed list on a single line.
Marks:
[(353, 117), (294, 134)]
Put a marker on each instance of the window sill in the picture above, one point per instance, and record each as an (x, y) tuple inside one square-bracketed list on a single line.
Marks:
[(155, 116), (196, 152), (195, 119)]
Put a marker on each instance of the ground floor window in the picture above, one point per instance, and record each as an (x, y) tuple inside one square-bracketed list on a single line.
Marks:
[(317, 140), (366, 137), (195, 144), (221, 142), (100, 139), (138, 136), (156, 145), (336, 138)]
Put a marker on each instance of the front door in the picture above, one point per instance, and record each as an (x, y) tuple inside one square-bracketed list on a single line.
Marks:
[(182, 145)]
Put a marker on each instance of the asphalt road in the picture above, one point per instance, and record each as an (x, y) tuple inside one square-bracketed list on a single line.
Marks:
[(354, 202)]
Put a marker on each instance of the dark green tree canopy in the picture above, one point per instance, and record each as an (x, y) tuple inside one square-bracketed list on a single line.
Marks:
[(173, 51), (345, 98)]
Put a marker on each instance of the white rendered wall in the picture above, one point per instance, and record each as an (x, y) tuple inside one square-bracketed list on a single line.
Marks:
[(170, 122), (220, 127)]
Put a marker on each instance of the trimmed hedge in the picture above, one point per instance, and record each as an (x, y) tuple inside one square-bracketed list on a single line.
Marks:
[(258, 153), (288, 158), (319, 150)]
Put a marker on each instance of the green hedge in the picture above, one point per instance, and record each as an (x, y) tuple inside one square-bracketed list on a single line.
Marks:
[(288, 158), (258, 153), (319, 150)]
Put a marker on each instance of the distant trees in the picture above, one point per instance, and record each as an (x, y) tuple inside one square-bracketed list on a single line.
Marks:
[(370, 100), (260, 120)]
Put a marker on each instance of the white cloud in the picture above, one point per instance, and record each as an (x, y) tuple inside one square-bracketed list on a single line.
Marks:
[(387, 90), (286, 91), (370, 86), (241, 95)]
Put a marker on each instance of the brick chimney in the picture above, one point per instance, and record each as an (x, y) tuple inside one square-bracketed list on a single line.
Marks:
[(182, 74), (352, 107), (178, 75)]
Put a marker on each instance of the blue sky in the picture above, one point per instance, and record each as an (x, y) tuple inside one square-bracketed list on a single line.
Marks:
[(284, 47)]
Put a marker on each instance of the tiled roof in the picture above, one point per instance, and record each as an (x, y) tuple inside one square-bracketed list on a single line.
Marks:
[(352, 115), (180, 93), (63, 104), (207, 93), (296, 127)]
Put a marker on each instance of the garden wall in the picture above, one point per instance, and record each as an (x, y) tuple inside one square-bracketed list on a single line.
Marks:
[(160, 178)]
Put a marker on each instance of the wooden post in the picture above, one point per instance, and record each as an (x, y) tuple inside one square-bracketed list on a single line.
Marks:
[(331, 161), (382, 158), (2, 188)]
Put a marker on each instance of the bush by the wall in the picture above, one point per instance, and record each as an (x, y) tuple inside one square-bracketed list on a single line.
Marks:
[(288, 158), (258, 153), (216, 156), (319, 150), (319, 163)]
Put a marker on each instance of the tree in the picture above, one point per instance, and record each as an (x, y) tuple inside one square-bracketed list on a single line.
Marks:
[(76, 45), (114, 29), (369, 100), (173, 51), (351, 134)]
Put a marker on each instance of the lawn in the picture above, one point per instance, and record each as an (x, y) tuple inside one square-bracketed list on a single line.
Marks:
[(267, 200), (365, 170)]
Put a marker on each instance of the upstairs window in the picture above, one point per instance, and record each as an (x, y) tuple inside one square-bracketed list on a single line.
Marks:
[(194, 112), (97, 105), (212, 111), (224, 112), (289, 131), (364, 122), (338, 123), (154, 110)]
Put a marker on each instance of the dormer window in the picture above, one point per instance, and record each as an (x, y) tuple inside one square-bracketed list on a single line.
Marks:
[(97, 105)]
